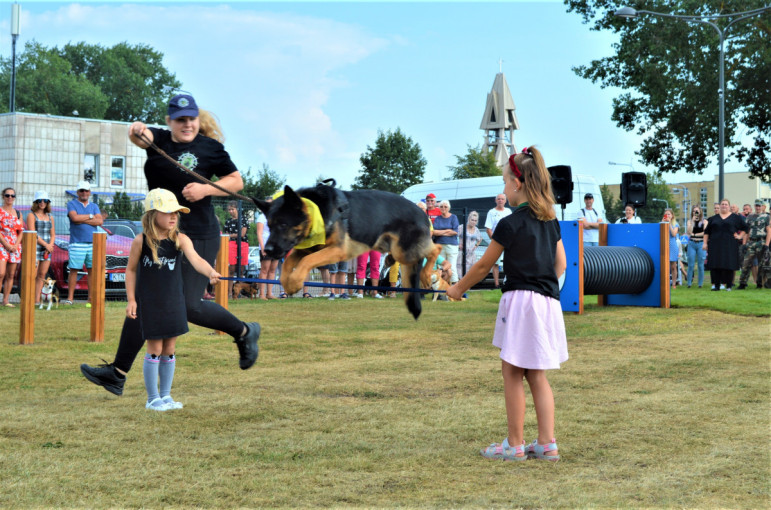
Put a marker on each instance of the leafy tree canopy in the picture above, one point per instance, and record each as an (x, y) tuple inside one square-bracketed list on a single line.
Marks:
[(670, 70), (394, 164), (123, 83), (121, 207), (475, 163), (264, 184)]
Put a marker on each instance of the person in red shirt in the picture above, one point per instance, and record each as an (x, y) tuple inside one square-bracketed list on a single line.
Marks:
[(431, 209)]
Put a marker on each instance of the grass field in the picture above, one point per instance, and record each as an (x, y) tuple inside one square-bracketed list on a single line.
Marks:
[(354, 404)]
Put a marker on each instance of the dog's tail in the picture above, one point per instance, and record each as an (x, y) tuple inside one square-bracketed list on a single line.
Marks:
[(412, 299)]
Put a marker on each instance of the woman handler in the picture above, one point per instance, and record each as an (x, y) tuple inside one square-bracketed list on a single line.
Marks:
[(207, 157)]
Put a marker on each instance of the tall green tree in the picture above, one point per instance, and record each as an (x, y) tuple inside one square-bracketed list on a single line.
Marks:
[(394, 164), (475, 163), (263, 184), (123, 83), (670, 71), (45, 83)]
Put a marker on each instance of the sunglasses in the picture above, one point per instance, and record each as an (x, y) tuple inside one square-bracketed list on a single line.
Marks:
[(83, 190), (44, 200), (8, 195)]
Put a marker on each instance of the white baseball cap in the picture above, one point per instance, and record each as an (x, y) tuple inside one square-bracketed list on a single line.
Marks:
[(84, 185)]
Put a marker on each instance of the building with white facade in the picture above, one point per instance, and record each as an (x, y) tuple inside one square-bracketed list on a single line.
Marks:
[(52, 153)]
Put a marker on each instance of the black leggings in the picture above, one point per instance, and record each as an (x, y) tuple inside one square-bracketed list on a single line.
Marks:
[(199, 311), (722, 276)]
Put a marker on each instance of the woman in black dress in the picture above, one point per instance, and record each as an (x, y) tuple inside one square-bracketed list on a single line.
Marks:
[(722, 238)]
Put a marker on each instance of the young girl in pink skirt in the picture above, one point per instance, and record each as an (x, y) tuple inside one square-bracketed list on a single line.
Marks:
[(529, 329)]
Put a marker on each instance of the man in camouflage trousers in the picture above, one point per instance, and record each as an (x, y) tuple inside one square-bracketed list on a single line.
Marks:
[(757, 247)]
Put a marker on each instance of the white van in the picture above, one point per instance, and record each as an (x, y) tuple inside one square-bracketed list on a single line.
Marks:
[(479, 194)]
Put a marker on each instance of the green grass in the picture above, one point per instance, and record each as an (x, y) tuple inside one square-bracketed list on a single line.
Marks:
[(354, 404)]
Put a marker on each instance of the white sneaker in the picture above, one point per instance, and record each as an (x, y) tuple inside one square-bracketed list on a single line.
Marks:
[(722, 286), (157, 405), (360, 296), (173, 404), (378, 296)]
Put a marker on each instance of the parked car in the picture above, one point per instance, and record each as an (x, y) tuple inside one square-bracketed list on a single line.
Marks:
[(122, 227), (117, 252), (253, 269)]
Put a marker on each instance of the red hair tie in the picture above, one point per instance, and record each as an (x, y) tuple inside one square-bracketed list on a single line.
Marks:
[(515, 168)]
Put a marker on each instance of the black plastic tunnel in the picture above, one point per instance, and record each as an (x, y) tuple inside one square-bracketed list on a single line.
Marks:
[(616, 270)]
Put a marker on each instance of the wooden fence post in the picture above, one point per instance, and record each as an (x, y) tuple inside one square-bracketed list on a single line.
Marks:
[(221, 265), (27, 287), (97, 286)]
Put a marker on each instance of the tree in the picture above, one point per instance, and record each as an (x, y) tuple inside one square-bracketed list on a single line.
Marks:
[(395, 164), (672, 69), (613, 207), (264, 184), (122, 83), (121, 207), (475, 164), (45, 84)]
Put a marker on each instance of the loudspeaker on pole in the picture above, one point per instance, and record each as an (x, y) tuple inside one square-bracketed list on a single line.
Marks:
[(634, 189), (561, 184)]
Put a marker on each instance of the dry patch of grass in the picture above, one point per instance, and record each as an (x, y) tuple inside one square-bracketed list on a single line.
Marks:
[(356, 404)]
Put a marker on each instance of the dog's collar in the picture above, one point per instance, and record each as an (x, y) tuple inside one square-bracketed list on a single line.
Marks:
[(316, 234)]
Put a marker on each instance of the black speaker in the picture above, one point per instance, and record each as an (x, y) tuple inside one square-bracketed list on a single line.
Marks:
[(561, 184), (634, 189)]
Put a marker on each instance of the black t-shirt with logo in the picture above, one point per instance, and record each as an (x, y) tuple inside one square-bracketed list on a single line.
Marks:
[(530, 247), (205, 156)]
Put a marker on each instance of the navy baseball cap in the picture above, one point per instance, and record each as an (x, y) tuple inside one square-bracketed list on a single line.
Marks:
[(182, 105)]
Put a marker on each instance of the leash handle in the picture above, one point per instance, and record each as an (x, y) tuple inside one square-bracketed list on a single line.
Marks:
[(185, 169)]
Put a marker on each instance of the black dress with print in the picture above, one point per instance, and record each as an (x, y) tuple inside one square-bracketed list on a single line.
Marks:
[(159, 292)]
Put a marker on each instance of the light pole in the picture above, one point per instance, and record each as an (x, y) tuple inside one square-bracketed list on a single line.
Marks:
[(686, 200), (15, 22), (621, 164), (666, 204), (628, 12)]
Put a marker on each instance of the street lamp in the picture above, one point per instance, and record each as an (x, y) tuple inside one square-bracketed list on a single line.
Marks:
[(15, 30), (621, 164), (686, 200), (628, 12), (666, 204)]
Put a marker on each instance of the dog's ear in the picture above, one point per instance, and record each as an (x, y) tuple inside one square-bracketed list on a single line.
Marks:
[(262, 205), (292, 199)]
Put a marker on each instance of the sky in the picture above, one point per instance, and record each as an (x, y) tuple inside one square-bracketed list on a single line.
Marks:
[(304, 87)]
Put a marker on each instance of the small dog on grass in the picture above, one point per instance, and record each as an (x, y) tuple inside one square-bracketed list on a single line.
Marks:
[(439, 283), (49, 293), (244, 288)]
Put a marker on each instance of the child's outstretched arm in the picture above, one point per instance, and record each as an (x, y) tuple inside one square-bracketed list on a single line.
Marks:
[(478, 271), (198, 263), (131, 276), (560, 259)]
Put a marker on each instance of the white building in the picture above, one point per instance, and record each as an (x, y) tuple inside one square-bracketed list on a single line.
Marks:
[(52, 153)]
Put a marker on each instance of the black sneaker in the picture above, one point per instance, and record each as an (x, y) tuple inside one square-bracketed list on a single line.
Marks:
[(742, 286), (105, 376), (247, 345)]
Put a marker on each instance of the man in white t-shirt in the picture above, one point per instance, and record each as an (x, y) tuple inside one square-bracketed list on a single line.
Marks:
[(591, 221), (493, 217)]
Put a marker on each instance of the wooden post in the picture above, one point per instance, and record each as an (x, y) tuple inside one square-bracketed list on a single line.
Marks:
[(27, 287), (221, 265), (602, 300), (664, 261), (580, 267), (97, 285)]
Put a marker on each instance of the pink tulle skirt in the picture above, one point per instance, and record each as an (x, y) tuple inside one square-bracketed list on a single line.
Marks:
[(530, 330)]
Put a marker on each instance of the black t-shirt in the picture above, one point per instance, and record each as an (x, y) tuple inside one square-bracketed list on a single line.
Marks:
[(205, 156), (231, 227), (530, 246)]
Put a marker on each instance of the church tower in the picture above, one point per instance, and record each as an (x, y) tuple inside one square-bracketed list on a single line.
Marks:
[(499, 121)]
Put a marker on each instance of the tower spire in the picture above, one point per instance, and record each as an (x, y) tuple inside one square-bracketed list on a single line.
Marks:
[(499, 120)]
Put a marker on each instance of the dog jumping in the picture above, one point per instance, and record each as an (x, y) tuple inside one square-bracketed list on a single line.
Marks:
[(324, 225), (49, 294)]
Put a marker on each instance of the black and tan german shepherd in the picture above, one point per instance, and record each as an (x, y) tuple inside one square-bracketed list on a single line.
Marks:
[(354, 222)]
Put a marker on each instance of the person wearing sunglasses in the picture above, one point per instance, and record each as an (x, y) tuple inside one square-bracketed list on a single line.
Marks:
[(10, 243), (84, 217), (41, 221)]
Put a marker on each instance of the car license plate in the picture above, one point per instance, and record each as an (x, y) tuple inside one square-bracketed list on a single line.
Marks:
[(117, 277)]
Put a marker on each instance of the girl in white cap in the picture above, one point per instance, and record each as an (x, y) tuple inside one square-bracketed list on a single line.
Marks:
[(41, 221), (154, 283)]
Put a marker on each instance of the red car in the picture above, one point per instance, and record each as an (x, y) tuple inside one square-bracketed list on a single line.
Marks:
[(117, 249)]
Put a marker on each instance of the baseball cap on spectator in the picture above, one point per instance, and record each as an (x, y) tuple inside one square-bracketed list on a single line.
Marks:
[(84, 185), (758, 202), (430, 195), (588, 195), (182, 105)]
